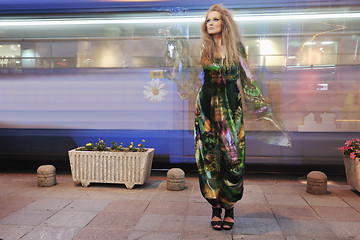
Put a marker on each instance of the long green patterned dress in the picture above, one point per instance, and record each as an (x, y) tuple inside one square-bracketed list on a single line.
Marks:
[(220, 133)]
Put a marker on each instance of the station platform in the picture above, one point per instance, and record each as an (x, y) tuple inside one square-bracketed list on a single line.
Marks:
[(273, 207)]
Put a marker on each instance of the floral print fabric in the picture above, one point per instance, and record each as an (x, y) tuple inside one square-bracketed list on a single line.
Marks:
[(220, 133)]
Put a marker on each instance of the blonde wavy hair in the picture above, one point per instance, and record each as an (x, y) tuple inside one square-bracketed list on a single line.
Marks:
[(230, 38)]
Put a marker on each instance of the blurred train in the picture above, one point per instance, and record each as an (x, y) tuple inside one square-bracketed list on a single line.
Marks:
[(76, 71)]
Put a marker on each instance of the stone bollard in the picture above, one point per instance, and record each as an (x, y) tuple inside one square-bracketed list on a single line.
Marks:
[(316, 183), (46, 176), (175, 179)]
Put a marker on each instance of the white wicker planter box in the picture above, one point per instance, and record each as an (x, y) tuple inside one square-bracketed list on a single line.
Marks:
[(352, 169), (127, 168)]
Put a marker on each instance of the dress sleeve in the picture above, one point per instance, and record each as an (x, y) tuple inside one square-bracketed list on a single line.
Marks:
[(180, 66), (270, 128)]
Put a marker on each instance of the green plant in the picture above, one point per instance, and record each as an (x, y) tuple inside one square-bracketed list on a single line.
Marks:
[(89, 147), (131, 147), (121, 148), (115, 147), (141, 145), (101, 146), (351, 148)]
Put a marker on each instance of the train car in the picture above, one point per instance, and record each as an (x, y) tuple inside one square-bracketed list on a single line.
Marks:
[(73, 72)]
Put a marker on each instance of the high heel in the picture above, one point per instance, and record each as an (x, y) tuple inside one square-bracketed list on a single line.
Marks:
[(226, 224), (216, 212)]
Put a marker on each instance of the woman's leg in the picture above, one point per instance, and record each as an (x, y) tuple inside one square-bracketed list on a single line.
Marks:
[(228, 222), (216, 221)]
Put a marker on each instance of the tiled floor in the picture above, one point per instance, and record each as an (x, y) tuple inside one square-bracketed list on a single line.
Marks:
[(272, 208)]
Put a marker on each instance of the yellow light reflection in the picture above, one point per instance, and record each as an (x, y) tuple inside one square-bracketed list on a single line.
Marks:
[(340, 27), (266, 47), (269, 51)]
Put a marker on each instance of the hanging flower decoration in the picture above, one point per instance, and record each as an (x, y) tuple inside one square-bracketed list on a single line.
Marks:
[(155, 90)]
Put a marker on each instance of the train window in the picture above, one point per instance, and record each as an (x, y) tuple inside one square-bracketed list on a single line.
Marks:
[(320, 52), (109, 40), (10, 55), (267, 52)]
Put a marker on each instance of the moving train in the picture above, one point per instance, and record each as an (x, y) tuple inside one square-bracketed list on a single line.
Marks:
[(76, 71)]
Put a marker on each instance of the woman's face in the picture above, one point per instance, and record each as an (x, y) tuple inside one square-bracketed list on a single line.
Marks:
[(214, 23)]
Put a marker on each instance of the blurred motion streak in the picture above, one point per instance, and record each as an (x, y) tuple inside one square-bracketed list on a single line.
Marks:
[(74, 71)]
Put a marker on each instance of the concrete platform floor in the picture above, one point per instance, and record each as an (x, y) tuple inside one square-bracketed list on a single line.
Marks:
[(273, 207)]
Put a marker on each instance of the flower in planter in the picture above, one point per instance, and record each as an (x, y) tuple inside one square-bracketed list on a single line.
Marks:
[(101, 146), (115, 147), (141, 145), (351, 148), (89, 147)]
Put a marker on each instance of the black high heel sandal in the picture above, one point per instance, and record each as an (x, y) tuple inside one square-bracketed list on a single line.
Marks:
[(216, 212), (228, 213)]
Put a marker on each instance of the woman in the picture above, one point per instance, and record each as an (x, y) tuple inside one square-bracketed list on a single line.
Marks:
[(219, 127)]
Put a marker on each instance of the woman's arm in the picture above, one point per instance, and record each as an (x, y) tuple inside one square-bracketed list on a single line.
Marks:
[(269, 128)]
